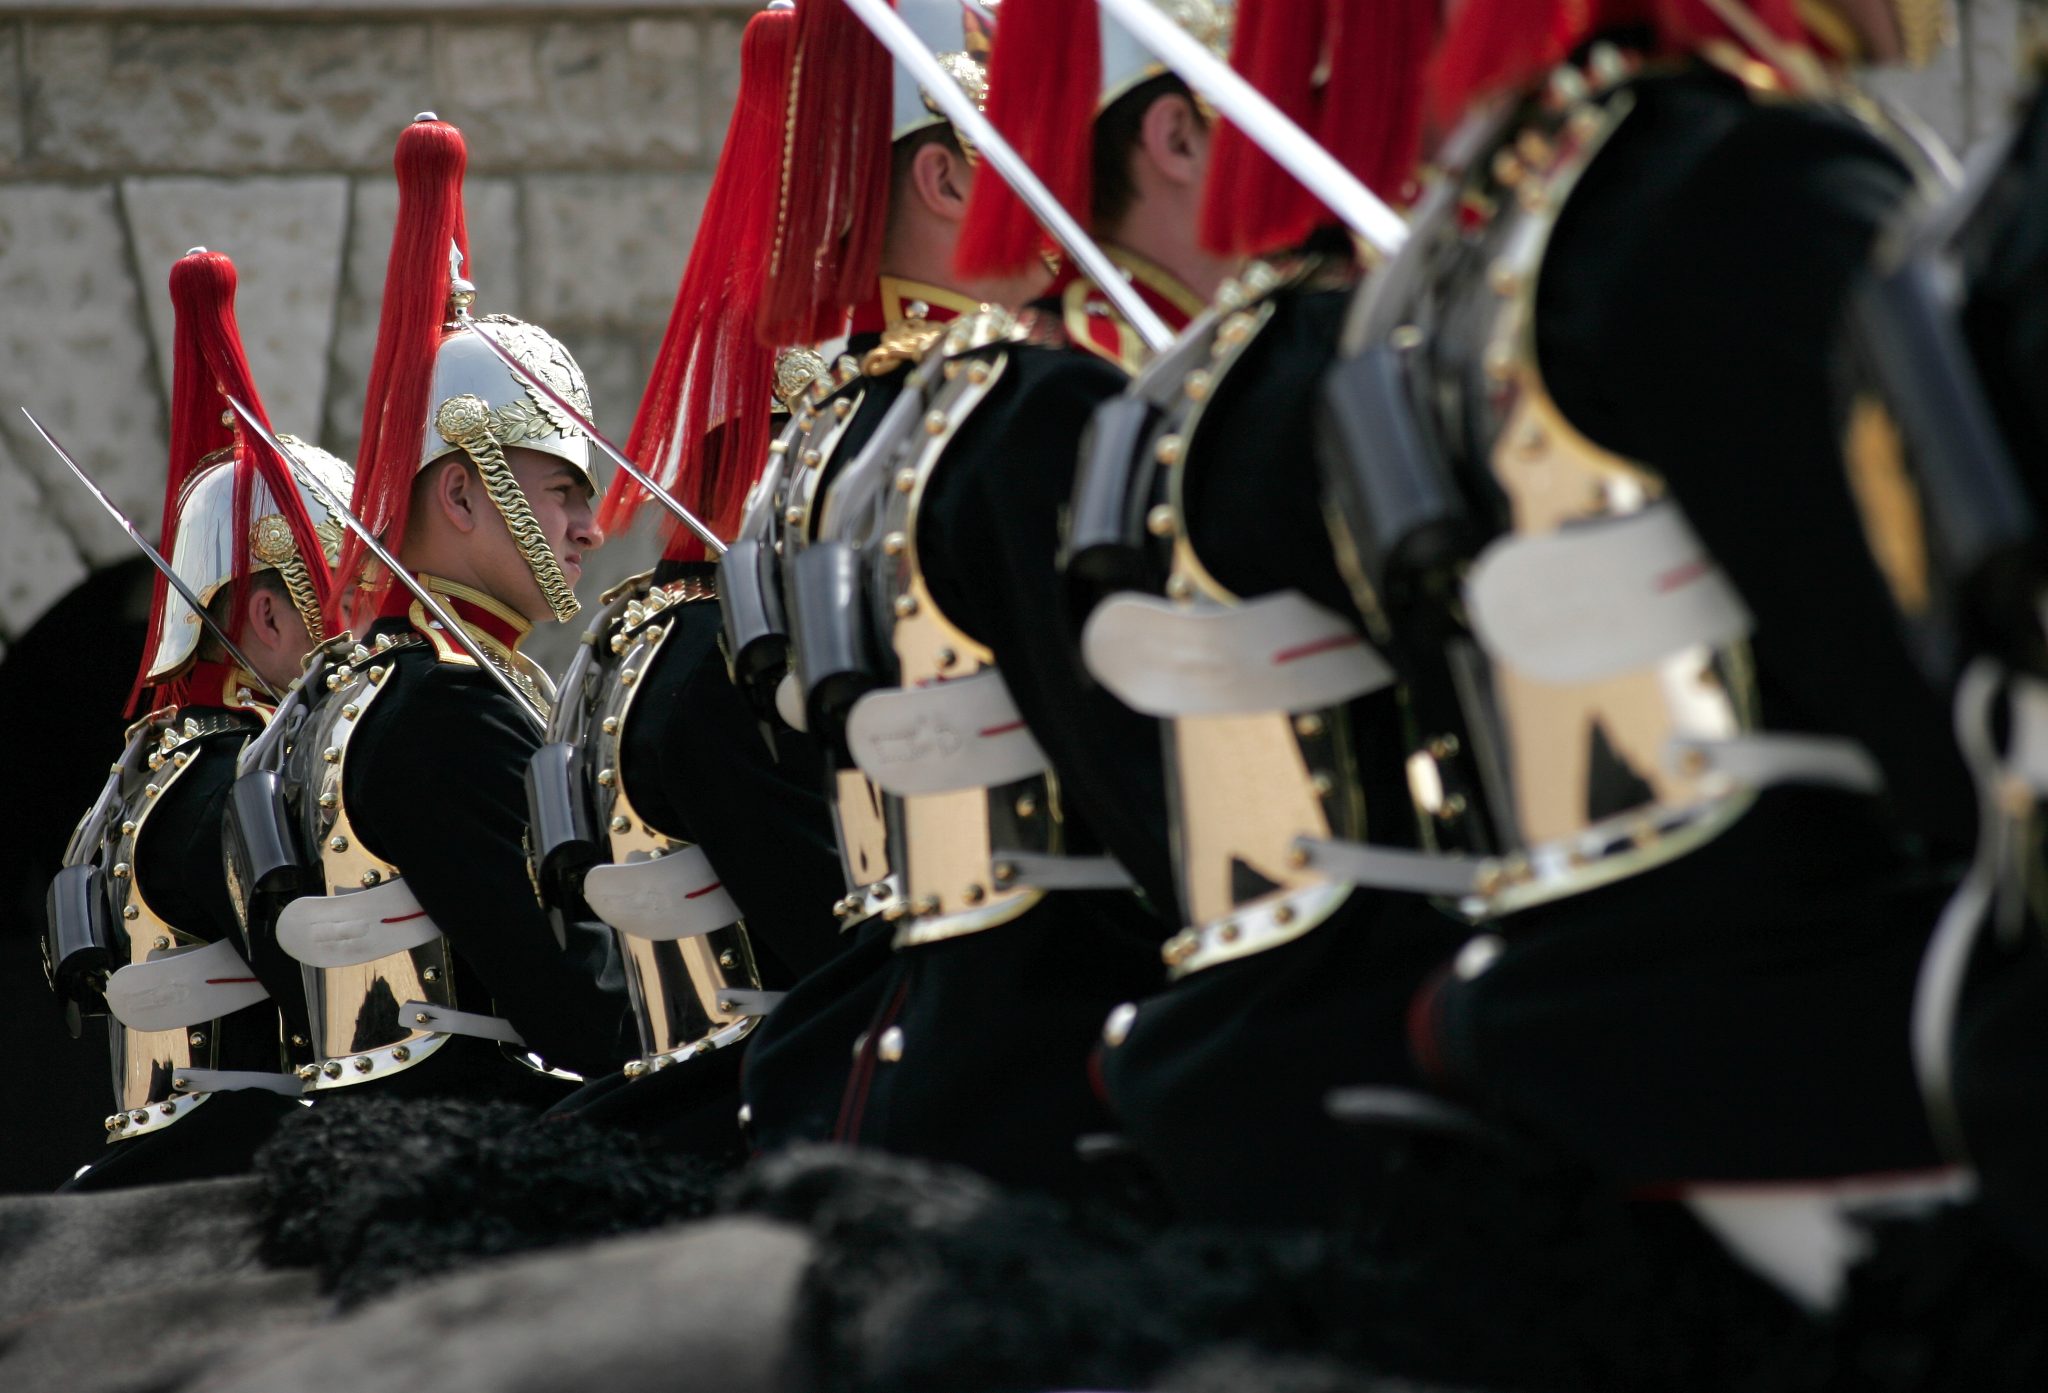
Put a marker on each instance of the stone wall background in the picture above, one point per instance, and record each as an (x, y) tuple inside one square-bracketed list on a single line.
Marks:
[(131, 132), (264, 128)]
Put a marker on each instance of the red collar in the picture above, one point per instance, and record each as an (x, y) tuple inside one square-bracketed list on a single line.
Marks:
[(473, 609), (209, 683), (1093, 322), (896, 300)]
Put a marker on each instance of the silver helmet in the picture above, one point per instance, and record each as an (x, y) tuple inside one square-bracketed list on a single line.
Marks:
[(206, 550)]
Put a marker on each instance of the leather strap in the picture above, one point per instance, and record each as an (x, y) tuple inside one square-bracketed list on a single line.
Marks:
[(1039, 871), (1279, 652), (184, 987), (421, 1015), (239, 1081), (359, 927), (676, 896), (943, 738), (1597, 599)]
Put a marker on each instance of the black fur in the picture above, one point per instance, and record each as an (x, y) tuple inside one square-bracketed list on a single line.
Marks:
[(1473, 1270), (1942, 1304), (377, 1192)]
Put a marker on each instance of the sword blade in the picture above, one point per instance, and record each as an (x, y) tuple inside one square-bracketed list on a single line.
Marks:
[(338, 507), (1276, 133), (156, 558), (611, 451), (902, 42)]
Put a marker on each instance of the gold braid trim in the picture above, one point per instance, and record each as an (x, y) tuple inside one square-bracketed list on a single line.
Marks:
[(796, 74), (272, 544), (298, 582), (465, 422)]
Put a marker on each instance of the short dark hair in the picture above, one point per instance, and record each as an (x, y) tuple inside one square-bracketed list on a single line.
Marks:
[(221, 609), (903, 154), (1116, 139)]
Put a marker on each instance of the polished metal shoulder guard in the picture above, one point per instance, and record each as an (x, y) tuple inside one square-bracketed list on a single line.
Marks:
[(965, 789), (1252, 695), (688, 963), (168, 993), (1939, 427), (1577, 667)]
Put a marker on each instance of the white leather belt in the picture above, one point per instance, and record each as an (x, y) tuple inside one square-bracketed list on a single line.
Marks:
[(359, 927), (943, 737), (1765, 759), (1279, 652), (677, 895), (238, 1081), (1601, 598), (1039, 871), (746, 1001), (422, 1015), (1396, 868), (184, 987)]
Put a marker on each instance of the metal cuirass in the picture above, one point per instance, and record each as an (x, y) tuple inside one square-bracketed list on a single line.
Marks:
[(1252, 695), (688, 963), (1582, 700), (964, 787), (378, 973), (171, 994)]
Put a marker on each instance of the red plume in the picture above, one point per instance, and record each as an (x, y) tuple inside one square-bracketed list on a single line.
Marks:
[(703, 423), (208, 366), (430, 161), (1495, 45), (1250, 204), (1044, 80), (832, 205)]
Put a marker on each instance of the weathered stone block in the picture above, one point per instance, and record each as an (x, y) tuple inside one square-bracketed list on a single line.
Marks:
[(11, 95), (239, 97), (285, 237), (74, 348), (38, 563), (492, 206), (606, 251), (602, 93)]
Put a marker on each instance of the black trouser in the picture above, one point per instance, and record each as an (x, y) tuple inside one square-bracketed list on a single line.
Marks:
[(998, 1031), (1739, 1014), (1221, 1083), (220, 1137)]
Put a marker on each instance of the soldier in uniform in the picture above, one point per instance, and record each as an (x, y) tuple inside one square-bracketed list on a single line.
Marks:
[(1229, 621), (1945, 442), (710, 858), (887, 218), (391, 799), (142, 930), (1013, 935), (1584, 451)]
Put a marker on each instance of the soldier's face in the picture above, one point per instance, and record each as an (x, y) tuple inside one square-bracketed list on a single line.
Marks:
[(563, 506)]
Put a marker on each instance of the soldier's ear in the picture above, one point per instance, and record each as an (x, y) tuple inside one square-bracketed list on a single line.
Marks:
[(1175, 139), (941, 180), (455, 493), (262, 618)]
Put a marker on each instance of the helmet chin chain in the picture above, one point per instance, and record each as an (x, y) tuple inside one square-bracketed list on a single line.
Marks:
[(465, 422)]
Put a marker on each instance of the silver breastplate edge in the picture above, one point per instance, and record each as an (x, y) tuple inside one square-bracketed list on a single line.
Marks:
[(689, 964), (150, 1067), (363, 1015)]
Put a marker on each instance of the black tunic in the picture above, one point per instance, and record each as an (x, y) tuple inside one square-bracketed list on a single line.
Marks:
[(179, 865), (435, 783), (998, 1028), (1222, 1080), (1740, 1013), (798, 1059), (700, 771)]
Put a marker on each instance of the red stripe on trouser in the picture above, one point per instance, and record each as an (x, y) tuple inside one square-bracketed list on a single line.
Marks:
[(853, 1106)]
